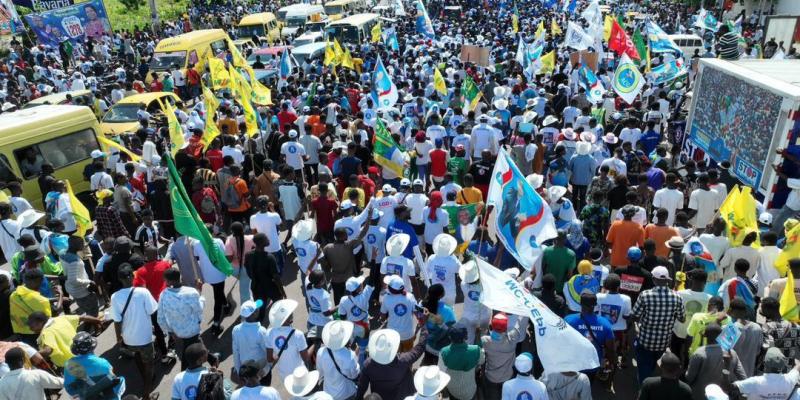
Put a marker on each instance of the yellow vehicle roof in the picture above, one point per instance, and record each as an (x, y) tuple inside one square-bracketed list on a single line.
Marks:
[(58, 98), (42, 121), (147, 97), (259, 18), (355, 20), (184, 41)]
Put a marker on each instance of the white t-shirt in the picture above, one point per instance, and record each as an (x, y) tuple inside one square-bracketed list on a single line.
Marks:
[(306, 250), (184, 386), (268, 223), (137, 327), (693, 302), (101, 180), (356, 308), (671, 199), (416, 202), (210, 273), (631, 135), (9, 233), (256, 393), (319, 301), (443, 270), (401, 313), (423, 152), (570, 114), (435, 132), (474, 310), (375, 240), (434, 228), (290, 358), (238, 156), (716, 245), (524, 388), (706, 202), (335, 380), (400, 266), (615, 307), (770, 386), (387, 205), (294, 153)]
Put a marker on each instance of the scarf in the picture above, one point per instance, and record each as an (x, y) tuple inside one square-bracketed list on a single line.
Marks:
[(434, 204)]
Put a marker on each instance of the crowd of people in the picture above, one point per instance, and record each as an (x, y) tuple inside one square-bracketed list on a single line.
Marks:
[(642, 265)]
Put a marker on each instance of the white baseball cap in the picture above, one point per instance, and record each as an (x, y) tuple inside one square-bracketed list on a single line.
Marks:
[(249, 307), (660, 273), (292, 133), (395, 282)]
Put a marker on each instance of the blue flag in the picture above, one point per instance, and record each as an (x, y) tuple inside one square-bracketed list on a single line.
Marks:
[(390, 39), (285, 69), (384, 92), (660, 41), (594, 88), (570, 6), (550, 4), (668, 71), (424, 24)]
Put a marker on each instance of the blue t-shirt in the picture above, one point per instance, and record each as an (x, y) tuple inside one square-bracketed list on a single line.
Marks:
[(88, 366), (435, 332), (487, 251), (349, 166), (404, 227), (649, 141), (601, 328)]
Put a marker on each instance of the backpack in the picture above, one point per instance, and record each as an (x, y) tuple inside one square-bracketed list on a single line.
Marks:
[(207, 203), (230, 197)]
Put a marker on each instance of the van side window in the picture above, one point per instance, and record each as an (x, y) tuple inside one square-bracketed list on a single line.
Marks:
[(6, 173), (219, 45), (193, 59), (59, 152)]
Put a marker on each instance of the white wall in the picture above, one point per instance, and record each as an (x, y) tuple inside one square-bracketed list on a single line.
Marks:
[(785, 7)]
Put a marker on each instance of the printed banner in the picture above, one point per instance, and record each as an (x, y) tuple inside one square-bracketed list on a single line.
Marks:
[(75, 23), (46, 5)]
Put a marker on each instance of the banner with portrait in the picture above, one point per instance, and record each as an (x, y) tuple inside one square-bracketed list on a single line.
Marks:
[(75, 23)]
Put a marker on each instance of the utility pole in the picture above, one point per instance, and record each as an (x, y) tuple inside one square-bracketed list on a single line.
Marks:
[(154, 25)]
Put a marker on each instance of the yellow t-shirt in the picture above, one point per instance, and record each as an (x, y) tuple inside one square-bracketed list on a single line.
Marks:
[(469, 195), (360, 191), (24, 302), (57, 335), (697, 327)]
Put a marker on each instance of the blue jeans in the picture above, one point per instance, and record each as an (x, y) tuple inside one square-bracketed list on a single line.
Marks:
[(422, 173), (278, 260), (645, 360), (244, 285)]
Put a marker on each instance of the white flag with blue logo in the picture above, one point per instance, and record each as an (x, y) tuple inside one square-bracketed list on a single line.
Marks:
[(577, 38), (424, 24), (523, 219), (384, 92), (660, 42), (285, 69), (706, 20), (559, 346), (593, 86), (628, 81)]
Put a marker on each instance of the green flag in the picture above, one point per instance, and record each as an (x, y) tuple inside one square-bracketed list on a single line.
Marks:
[(472, 94), (188, 223), (641, 48), (312, 95)]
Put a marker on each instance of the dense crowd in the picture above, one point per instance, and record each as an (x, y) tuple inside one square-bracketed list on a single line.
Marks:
[(642, 264)]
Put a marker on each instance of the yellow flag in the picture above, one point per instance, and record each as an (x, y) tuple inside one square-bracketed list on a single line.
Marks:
[(739, 212), (82, 219), (554, 28), (219, 75), (347, 60), (330, 55), (788, 301), (376, 33), (790, 250), (608, 22), (211, 103), (244, 91), (337, 50), (4, 197), (539, 29), (548, 62), (238, 59), (175, 130), (261, 94), (514, 23), (107, 144), (438, 82)]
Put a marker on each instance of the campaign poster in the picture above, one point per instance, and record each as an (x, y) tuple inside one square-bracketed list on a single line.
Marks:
[(73, 23), (9, 19), (734, 120)]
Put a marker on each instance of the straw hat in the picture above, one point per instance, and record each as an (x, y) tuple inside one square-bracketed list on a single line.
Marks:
[(675, 243), (303, 230), (430, 380), (588, 137), (396, 244), (469, 272), (529, 116), (549, 120), (569, 134), (301, 382), (444, 244), (336, 334), (610, 138), (383, 345), (556, 192), (29, 217), (500, 104), (281, 311), (583, 148), (535, 180)]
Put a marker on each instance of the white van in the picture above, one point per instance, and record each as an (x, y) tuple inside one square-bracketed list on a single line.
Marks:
[(296, 18), (311, 51), (688, 44)]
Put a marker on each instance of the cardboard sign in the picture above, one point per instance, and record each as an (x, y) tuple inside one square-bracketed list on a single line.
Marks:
[(591, 59), (475, 54)]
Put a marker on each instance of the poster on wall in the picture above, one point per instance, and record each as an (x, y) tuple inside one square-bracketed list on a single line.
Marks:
[(734, 120), (73, 23)]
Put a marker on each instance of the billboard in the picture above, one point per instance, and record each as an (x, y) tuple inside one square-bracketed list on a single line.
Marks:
[(44, 5), (73, 23), (734, 120)]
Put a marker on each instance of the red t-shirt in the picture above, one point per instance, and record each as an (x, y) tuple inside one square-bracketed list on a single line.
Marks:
[(368, 185), (285, 117), (151, 276), (326, 213), (197, 201), (438, 162), (214, 156), (156, 86)]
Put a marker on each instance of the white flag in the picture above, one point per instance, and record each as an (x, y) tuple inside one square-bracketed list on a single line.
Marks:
[(577, 38), (560, 347), (399, 9), (520, 56), (592, 12), (628, 81)]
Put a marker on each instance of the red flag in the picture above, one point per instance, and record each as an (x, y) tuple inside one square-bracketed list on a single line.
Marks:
[(621, 43)]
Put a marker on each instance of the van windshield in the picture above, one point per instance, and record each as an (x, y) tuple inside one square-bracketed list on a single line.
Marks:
[(315, 26), (122, 113), (246, 31), (332, 10), (282, 15), (296, 22), (343, 33), (162, 61)]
